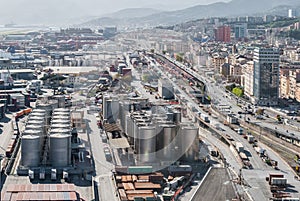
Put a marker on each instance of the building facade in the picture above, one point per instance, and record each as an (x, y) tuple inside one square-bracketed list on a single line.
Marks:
[(223, 33), (266, 76), (240, 31)]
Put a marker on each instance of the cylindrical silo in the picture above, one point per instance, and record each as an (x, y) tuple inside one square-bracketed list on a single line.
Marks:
[(129, 129), (34, 117), (136, 124), (146, 140), (30, 151), (61, 113), (61, 100), (60, 126), (189, 143), (61, 110), (60, 121), (48, 111), (37, 133), (36, 110), (170, 116), (63, 131), (37, 123), (177, 117), (166, 134), (61, 117), (60, 150)]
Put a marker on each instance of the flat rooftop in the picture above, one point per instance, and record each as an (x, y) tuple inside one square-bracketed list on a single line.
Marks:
[(216, 186)]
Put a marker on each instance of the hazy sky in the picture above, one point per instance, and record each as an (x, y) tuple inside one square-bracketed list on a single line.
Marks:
[(56, 11)]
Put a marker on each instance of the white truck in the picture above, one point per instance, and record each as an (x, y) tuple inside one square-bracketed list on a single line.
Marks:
[(31, 174), (53, 174), (239, 147), (204, 117)]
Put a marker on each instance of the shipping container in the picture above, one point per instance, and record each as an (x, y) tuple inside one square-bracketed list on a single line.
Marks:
[(139, 169)]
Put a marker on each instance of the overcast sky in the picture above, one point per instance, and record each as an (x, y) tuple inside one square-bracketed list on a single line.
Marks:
[(55, 11)]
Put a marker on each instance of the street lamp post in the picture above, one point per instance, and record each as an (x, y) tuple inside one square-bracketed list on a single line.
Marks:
[(1, 157)]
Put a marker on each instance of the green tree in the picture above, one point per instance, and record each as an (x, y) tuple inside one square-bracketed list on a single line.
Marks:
[(238, 91), (179, 58)]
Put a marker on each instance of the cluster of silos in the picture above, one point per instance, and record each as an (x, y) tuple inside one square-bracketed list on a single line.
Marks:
[(110, 109), (33, 138), (159, 135), (59, 138)]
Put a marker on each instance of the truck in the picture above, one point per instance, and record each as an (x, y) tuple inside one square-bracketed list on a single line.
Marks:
[(53, 174), (239, 147), (274, 175), (31, 174), (42, 174), (250, 138), (204, 117), (279, 181)]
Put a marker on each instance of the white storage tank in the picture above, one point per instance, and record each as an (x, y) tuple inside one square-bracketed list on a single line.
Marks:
[(61, 110), (146, 144), (63, 131), (189, 143), (60, 126), (61, 100), (166, 134), (60, 150), (30, 150), (61, 117)]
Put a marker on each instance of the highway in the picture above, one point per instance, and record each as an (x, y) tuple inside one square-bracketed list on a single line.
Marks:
[(260, 169)]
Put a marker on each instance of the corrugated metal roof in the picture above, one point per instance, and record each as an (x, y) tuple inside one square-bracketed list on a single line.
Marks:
[(55, 192), (128, 186), (6, 196), (146, 185), (14, 197)]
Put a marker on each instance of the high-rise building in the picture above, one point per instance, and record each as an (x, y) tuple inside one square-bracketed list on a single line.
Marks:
[(240, 30), (266, 76), (222, 34)]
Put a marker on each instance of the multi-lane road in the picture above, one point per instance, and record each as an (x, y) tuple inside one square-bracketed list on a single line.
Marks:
[(258, 187)]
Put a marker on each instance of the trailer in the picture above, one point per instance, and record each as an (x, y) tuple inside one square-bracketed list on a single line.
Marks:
[(278, 182)]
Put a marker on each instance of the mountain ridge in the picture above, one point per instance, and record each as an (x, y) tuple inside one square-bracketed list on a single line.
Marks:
[(218, 9)]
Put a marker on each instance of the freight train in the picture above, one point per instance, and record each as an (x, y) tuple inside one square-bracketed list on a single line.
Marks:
[(22, 113)]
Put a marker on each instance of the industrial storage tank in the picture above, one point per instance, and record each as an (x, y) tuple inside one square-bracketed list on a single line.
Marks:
[(39, 133), (36, 124), (34, 117), (60, 121), (34, 113), (30, 150), (170, 116), (189, 143), (166, 143), (61, 113), (110, 110), (136, 138), (124, 110), (67, 117), (129, 129), (63, 131), (177, 117), (35, 127), (48, 111), (61, 100), (38, 111), (61, 110), (146, 143), (60, 126), (157, 110), (60, 150)]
